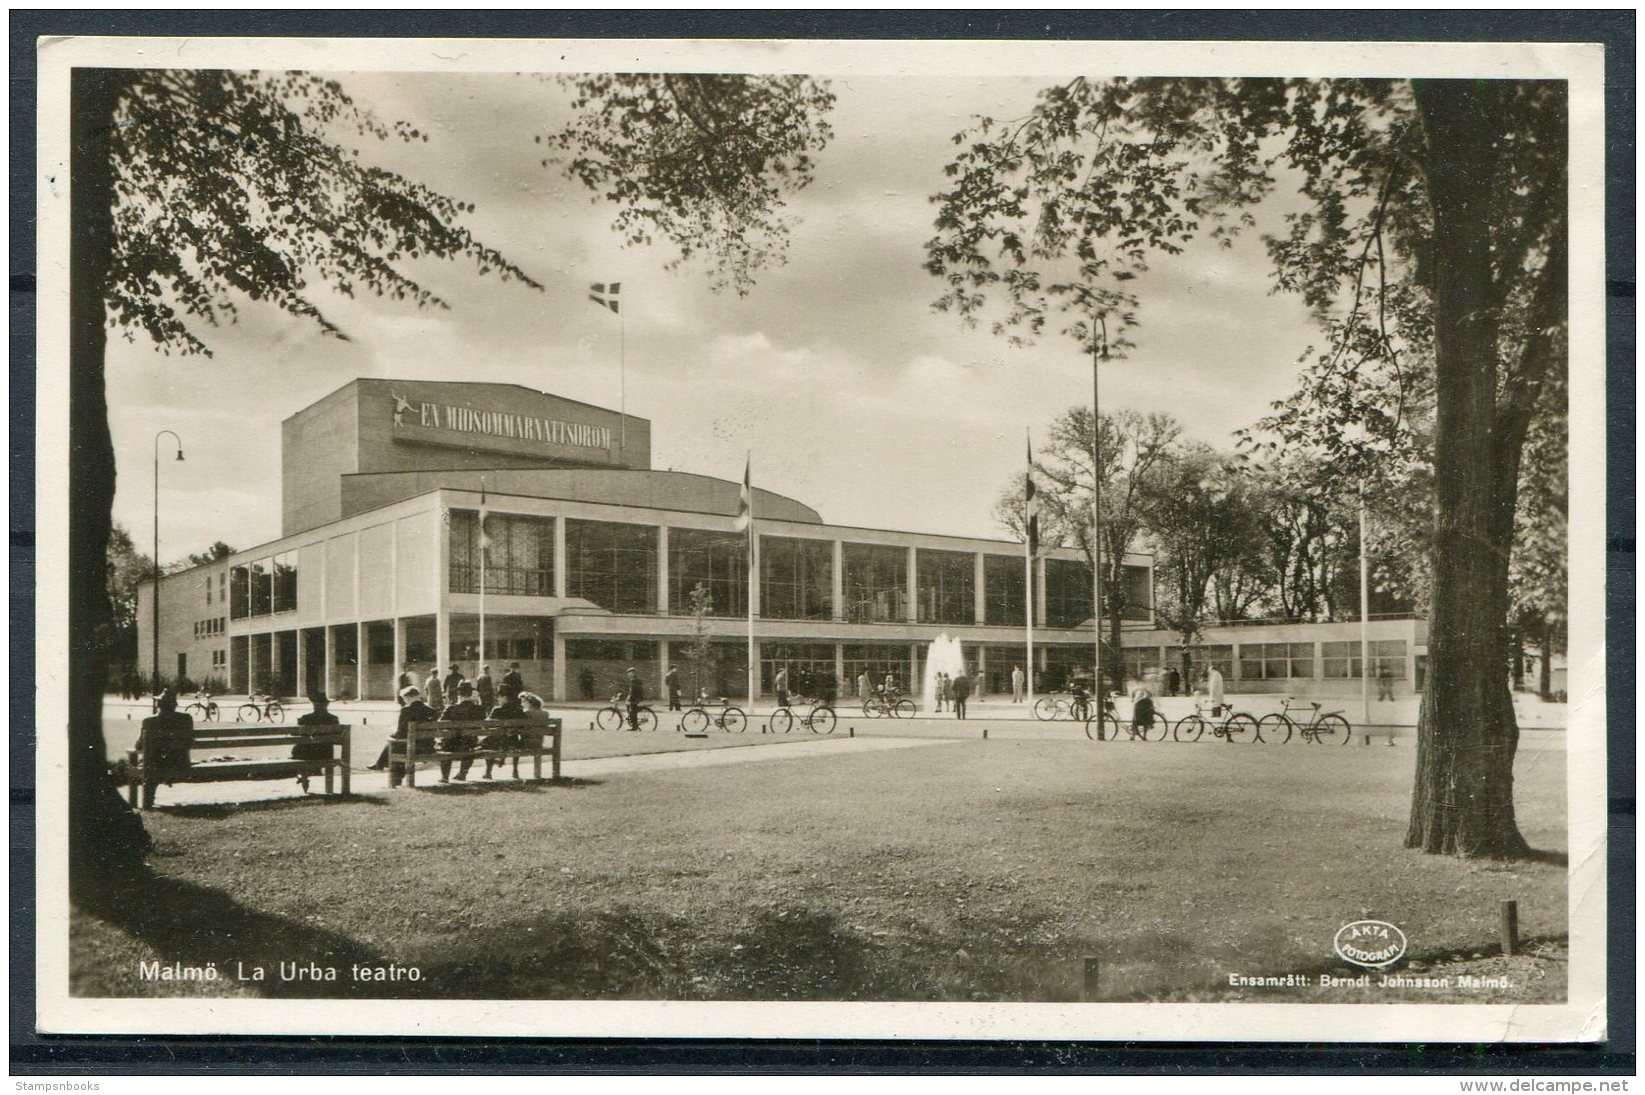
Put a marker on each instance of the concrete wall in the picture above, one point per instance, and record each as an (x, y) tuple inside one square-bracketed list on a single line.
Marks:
[(182, 606), (318, 445)]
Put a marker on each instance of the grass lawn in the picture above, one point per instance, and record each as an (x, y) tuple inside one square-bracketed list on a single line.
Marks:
[(969, 870)]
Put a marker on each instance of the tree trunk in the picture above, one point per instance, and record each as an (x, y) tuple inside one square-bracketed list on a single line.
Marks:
[(1545, 671), (104, 834), (1463, 799)]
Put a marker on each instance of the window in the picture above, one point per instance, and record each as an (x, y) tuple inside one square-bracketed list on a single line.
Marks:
[(877, 660), (1061, 664), (520, 560), (285, 582), (875, 583), (716, 560), (1003, 585), (796, 579), (722, 670), (1341, 661), (1068, 600), (1276, 661), (208, 589), (612, 565), (810, 667), (597, 668), (240, 603), (1199, 657), (262, 587), (1137, 587), (1141, 662), (946, 586), (219, 659)]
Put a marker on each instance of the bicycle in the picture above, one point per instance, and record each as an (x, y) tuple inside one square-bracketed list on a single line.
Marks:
[(819, 720), (1235, 727), (258, 706), (1051, 708), (614, 716), (730, 718), (1324, 728), (203, 709), (1110, 727), (888, 707)]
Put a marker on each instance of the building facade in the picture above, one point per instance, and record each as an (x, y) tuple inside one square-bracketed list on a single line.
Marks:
[(594, 563)]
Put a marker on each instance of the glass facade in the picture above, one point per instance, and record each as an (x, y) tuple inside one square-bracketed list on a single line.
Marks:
[(875, 583), (1067, 593), (284, 572), (596, 669), (521, 559), (1142, 663), (796, 579), (1003, 586), (239, 604), (1341, 660), (877, 660), (613, 565), (716, 560), (1222, 657), (810, 668), (1061, 664), (1138, 589), (1275, 661), (262, 587), (946, 586)]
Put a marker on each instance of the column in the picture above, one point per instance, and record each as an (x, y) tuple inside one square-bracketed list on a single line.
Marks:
[(662, 581), (331, 657), (559, 692), (913, 589), (977, 688), (228, 666), (442, 588), (559, 558), (913, 688), (979, 603), (1039, 590), (302, 662), (839, 583), (399, 651), (359, 653), (754, 681), (842, 686)]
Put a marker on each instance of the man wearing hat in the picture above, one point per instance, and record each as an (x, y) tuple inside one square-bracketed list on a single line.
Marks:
[(315, 750), (512, 681), (635, 694), (165, 737)]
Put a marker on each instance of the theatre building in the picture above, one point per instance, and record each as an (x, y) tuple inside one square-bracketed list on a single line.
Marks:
[(594, 563)]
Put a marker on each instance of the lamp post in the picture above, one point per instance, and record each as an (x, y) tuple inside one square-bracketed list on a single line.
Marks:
[(155, 601), (1099, 350)]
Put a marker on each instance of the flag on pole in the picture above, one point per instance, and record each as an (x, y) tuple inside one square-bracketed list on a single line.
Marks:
[(607, 295), (1031, 508), (745, 505), (485, 537)]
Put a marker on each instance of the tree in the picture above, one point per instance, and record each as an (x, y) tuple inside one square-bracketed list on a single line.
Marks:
[(127, 569), (704, 161), (699, 652), (218, 550), (1449, 194)]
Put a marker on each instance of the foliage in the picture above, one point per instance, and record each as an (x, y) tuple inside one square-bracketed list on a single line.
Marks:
[(218, 550), (127, 569), (705, 161), (699, 651), (235, 186)]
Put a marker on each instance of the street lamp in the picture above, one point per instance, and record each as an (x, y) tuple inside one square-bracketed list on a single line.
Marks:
[(155, 606)]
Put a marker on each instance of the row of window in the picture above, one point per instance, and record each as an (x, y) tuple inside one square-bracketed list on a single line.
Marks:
[(263, 587), (1277, 661), (614, 565), (205, 629)]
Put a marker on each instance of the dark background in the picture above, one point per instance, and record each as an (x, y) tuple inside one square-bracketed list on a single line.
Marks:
[(32, 1054)]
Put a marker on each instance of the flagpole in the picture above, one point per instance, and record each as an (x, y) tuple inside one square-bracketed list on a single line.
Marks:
[(485, 550), (1028, 573), (622, 387), (753, 563), (1096, 519)]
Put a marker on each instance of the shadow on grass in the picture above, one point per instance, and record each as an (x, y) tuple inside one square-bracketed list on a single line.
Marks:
[(218, 810), (195, 925), (483, 786), (1550, 857)]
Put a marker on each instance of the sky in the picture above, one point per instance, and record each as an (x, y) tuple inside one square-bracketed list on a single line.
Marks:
[(851, 393)]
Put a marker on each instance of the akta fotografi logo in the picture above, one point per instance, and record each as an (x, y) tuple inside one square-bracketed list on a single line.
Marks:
[(1369, 943)]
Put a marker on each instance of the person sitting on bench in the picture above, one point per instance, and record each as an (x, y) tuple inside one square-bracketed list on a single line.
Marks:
[(508, 710), (466, 709), (412, 709), (165, 738), (314, 750)]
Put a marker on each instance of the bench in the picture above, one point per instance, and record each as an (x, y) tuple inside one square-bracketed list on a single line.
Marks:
[(204, 739), (420, 744)]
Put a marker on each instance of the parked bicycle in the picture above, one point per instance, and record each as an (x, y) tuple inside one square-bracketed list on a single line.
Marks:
[(820, 719), (1051, 708), (888, 706), (260, 706), (1236, 726), (614, 716), (729, 718), (1326, 728), (1108, 726), (204, 708)]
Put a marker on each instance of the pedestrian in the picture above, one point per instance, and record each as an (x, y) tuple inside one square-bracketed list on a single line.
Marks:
[(435, 695), (780, 686), (165, 739), (585, 681), (314, 750), (1173, 681), (512, 681), (979, 683), (960, 688), (889, 688), (672, 680), (865, 686), (939, 689), (1142, 712), (634, 693), (404, 681), (453, 679), (412, 711), (1385, 682), (484, 689), (1211, 677), (466, 709), (1016, 684)]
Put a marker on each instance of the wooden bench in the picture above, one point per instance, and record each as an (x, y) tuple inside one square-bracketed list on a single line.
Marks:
[(213, 738), (420, 744)]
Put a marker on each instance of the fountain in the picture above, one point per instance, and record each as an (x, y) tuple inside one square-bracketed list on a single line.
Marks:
[(944, 655)]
